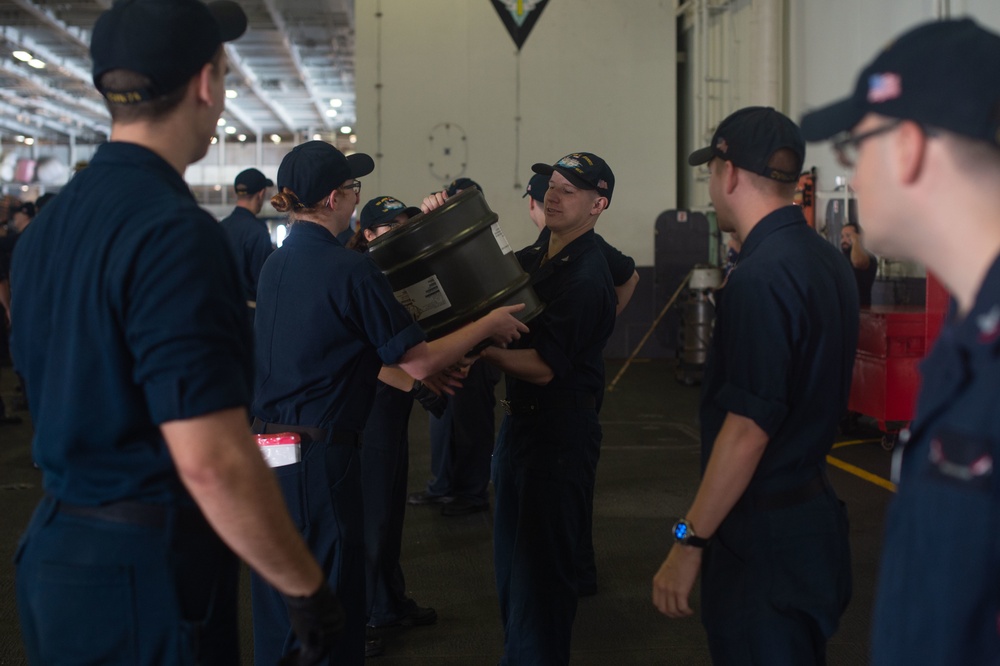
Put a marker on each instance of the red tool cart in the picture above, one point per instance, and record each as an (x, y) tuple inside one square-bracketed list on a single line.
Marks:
[(892, 340)]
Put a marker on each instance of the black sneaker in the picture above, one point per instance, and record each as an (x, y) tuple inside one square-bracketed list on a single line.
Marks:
[(373, 646), (424, 497)]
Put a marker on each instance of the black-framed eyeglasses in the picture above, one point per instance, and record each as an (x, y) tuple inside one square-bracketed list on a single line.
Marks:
[(355, 185), (848, 145)]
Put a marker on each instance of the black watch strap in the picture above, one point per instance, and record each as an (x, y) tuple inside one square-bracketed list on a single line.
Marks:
[(683, 532)]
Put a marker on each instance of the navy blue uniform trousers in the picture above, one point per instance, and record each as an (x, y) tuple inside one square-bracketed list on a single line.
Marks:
[(91, 591), (775, 583), (385, 463), (543, 467), (462, 439), (323, 495)]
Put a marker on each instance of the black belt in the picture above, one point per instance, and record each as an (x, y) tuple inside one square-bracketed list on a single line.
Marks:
[(311, 434), (784, 499), (136, 513), (538, 404)]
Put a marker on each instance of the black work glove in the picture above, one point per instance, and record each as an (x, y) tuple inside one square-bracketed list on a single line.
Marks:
[(318, 621), (435, 404)]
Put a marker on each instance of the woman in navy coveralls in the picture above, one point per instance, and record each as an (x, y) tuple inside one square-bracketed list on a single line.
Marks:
[(326, 322)]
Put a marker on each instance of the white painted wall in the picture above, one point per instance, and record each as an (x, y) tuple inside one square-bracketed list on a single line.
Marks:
[(832, 41), (595, 76)]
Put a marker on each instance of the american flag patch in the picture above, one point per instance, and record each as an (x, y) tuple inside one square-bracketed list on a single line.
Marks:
[(884, 87)]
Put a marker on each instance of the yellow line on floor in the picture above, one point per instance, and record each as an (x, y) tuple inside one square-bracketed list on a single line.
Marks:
[(854, 442), (862, 474)]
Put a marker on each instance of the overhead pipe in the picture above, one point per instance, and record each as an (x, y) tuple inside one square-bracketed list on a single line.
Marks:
[(766, 76)]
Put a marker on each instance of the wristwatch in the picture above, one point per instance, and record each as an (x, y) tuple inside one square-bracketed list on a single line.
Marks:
[(684, 534)]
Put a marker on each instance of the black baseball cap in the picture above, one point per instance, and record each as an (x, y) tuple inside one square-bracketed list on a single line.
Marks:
[(167, 41), (251, 181), (459, 184), (585, 170), (537, 187), (944, 74), (315, 168), (750, 137), (28, 208), (383, 210)]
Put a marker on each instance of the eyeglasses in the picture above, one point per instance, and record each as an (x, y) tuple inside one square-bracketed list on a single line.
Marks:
[(847, 147), (355, 185)]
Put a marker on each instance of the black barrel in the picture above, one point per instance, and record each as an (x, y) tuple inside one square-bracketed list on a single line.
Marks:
[(453, 265)]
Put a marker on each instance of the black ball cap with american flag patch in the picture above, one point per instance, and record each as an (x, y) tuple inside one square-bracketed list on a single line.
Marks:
[(943, 74)]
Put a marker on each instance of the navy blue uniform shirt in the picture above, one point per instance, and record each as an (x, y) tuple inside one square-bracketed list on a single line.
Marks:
[(939, 586), (577, 321), (127, 314), (7, 244), (326, 322), (782, 352), (620, 264), (251, 245)]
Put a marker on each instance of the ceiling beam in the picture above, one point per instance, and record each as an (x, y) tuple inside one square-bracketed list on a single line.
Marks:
[(300, 68), (10, 111), (15, 126), (80, 121), (234, 109), (241, 69), (41, 52), (77, 35), (64, 97)]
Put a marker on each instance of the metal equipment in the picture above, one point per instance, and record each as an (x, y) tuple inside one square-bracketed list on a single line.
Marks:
[(697, 320)]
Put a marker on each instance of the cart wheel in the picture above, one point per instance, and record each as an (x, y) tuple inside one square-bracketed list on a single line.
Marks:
[(889, 441)]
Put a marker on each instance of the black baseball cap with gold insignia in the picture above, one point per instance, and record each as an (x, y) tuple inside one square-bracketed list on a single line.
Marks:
[(585, 170)]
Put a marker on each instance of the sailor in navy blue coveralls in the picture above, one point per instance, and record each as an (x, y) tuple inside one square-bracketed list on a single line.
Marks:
[(326, 323), (922, 134), (947, 504), (549, 442), (547, 451), (385, 459), (130, 332), (248, 234), (781, 556), (118, 563), (766, 530), (624, 278), (462, 437)]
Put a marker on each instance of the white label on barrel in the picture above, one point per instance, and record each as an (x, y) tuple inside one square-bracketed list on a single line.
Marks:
[(501, 239), (424, 298)]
